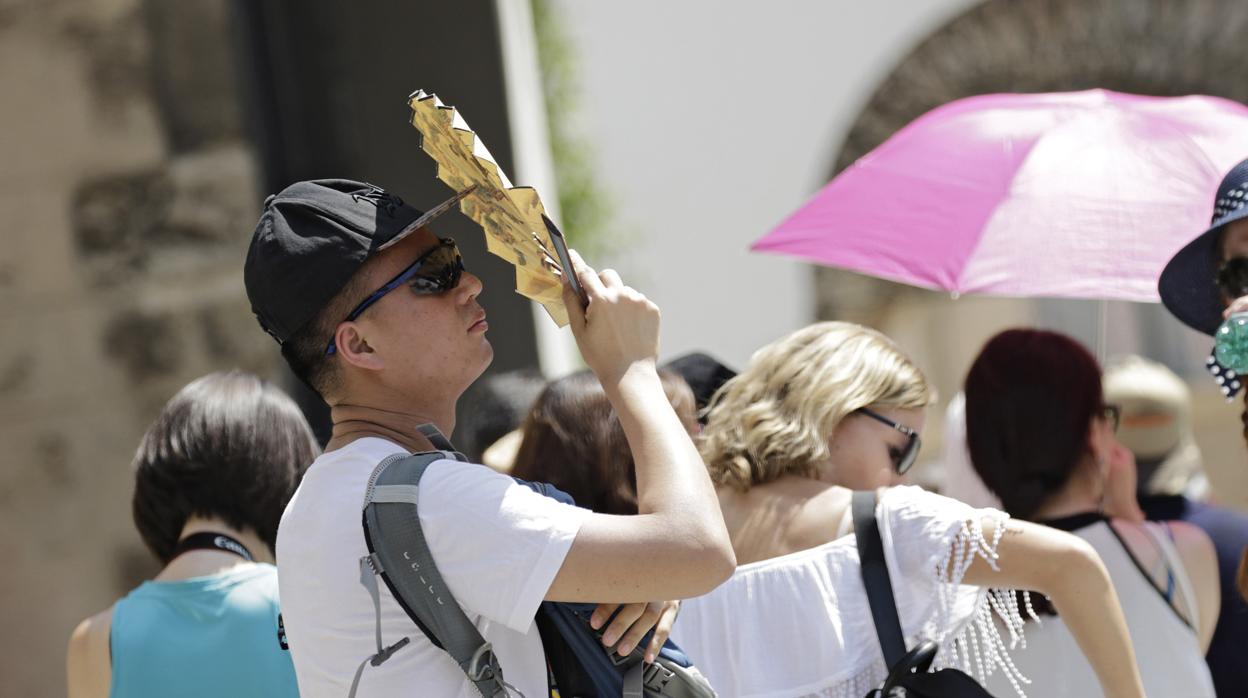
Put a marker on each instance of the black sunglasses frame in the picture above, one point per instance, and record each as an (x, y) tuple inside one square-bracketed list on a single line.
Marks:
[(405, 276), (913, 443)]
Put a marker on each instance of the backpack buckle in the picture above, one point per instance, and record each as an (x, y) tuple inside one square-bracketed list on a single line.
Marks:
[(655, 677), (483, 664)]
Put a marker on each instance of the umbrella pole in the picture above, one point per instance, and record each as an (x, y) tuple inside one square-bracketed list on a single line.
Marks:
[(1102, 332)]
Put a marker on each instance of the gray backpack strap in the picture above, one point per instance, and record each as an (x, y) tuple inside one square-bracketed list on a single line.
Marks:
[(401, 556), (439, 441), (370, 567), (633, 680)]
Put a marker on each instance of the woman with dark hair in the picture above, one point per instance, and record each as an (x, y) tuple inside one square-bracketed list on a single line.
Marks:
[(1042, 439), (212, 476), (573, 440)]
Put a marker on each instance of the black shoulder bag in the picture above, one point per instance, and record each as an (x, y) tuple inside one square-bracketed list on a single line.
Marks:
[(908, 671)]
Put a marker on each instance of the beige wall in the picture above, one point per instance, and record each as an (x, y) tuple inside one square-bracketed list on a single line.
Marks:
[(127, 199)]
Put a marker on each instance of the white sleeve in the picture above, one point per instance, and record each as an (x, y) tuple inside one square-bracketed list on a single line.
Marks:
[(921, 529), (929, 542), (498, 544)]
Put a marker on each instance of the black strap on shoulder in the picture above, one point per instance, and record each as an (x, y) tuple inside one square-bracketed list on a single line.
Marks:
[(876, 580), (208, 540)]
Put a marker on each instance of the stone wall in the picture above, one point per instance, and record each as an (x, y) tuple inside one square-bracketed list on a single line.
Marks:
[(128, 197)]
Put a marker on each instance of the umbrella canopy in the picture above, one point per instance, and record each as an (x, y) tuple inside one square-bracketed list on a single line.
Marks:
[(1072, 195)]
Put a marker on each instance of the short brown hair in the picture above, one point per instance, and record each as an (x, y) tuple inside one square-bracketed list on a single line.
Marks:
[(228, 445), (304, 350)]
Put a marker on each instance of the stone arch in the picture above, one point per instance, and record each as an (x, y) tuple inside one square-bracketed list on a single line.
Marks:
[(1155, 47)]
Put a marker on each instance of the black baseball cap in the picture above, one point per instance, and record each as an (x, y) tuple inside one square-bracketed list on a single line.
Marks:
[(311, 237), (704, 374)]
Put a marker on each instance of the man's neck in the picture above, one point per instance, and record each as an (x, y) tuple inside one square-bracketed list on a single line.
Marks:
[(353, 422)]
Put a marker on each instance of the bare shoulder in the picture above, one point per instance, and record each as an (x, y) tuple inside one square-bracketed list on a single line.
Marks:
[(88, 664), (91, 633), (818, 514), (782, 516), (1137, 536), (1195, 546)]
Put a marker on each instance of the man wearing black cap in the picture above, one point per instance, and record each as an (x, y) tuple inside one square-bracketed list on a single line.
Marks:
[(381, 318)]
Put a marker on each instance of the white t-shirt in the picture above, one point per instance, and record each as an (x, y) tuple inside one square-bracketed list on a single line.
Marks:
[(497, 544), (800, 624)]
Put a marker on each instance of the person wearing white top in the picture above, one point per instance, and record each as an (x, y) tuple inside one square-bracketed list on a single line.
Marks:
[(839, 403), (379, 316), (1041, 437)]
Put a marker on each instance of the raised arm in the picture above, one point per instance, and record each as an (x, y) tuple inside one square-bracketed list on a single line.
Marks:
[(677, 545), (1067, 570)]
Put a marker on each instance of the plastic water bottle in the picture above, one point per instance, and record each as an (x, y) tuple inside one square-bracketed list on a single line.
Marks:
[(1231, 343)]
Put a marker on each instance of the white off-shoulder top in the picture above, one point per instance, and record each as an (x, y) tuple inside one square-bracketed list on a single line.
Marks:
[(800, 625)]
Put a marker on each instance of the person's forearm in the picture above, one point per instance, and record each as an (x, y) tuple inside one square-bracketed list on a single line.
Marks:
[(1065, 568), (1085, 599), (672, 480)]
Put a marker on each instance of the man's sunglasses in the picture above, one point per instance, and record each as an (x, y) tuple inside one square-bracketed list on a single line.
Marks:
[(436, 271), (905, 457)]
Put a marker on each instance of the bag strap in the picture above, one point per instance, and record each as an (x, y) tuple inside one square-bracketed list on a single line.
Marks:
[(435, 611), (370, 567), (876, 580), (440, 441), (1176, 571)]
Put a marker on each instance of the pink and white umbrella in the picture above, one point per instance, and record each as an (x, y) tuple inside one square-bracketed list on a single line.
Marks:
[(1074, 195)]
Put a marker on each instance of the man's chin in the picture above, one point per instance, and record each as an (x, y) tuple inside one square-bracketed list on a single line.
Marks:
[(488, 358)]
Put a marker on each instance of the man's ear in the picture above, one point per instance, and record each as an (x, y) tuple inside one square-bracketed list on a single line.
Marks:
[(354, 348)]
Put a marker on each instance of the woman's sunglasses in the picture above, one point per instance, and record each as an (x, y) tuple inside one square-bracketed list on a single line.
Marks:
[(905, 457), (436, 271), (1112, 414)]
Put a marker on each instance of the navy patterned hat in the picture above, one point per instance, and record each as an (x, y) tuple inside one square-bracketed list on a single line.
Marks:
[(1188, 284)]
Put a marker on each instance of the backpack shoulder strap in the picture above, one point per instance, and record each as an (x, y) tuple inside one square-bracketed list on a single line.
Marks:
[(440, 441), (876, 580), (399, 554), (1176, 572)]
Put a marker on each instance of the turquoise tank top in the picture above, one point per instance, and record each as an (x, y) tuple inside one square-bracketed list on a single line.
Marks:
[(207, 636)]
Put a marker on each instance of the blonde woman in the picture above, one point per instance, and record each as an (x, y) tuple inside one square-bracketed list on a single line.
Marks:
[(838, 404)]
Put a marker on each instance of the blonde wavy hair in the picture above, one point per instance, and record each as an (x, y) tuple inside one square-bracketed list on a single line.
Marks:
[(775, 418)]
